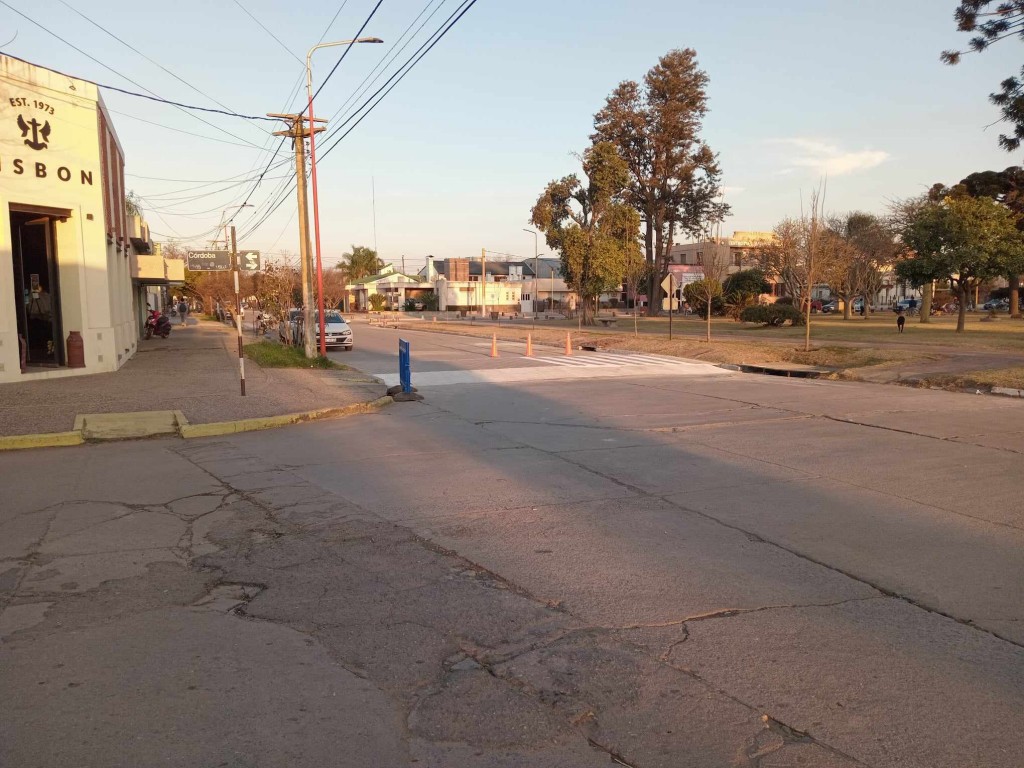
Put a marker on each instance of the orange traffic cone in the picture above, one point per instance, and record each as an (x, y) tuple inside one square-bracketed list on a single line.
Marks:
[(529, 345), (494, 345), (568, 344)]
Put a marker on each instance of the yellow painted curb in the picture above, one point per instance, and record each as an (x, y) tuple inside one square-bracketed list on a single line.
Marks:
[(189, 431), (50, 440)]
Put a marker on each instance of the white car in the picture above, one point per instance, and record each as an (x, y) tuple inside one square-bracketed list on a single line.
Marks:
[(337, 332)]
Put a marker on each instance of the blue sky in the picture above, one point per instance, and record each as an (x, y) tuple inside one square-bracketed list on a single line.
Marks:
[(460, 149)]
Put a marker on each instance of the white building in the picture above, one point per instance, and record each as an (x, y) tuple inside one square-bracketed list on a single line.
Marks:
[(67, 258)]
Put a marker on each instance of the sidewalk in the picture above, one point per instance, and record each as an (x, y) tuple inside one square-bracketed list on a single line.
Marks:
[(194, 371)]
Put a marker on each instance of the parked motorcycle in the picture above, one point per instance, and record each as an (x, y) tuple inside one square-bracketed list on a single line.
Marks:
[(157, 324)]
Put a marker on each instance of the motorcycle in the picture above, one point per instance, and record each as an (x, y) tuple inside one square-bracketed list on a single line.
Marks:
[(157, 324)]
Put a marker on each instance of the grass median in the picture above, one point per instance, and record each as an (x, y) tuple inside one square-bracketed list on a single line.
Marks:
[(270, 354)]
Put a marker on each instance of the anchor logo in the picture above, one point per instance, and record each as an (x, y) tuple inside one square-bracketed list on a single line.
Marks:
[(40, 133)]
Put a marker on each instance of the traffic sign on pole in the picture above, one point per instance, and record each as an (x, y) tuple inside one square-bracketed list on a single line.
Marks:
[(249, 261), (208, 261)]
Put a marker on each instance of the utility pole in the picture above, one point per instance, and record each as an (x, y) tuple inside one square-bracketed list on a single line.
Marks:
[(299, 133), (483, 283)]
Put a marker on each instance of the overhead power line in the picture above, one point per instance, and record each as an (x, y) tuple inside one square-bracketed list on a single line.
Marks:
[(264, 28), (130, 47), (347, 49), (153, 95), (414, 59), (402, 71)]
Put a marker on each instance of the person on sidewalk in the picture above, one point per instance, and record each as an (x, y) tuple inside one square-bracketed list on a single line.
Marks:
[(900, 321), (182, 311)]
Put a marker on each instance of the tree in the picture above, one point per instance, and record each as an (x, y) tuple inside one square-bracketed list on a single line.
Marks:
[(991, 25), (674, 175), (714, 267), (962, 239), (360, 262), (799, 255), (590, 226), (1006, 187), (377, 301), (861, 247), (275, 289), (636, 273)]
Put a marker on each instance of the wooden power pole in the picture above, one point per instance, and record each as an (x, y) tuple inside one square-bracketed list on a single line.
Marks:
[(299, 132)]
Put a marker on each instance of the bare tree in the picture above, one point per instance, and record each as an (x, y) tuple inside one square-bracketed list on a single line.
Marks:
[(713, 270)]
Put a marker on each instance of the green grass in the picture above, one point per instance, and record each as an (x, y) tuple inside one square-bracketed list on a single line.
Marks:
[(270, 354)]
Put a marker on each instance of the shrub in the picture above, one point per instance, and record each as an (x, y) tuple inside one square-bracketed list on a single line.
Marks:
[(696, 294), (772, 315), (377, 301), (785, 301), (746, 282)]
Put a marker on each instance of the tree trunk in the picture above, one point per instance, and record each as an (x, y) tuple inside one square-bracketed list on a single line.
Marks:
[(652, 284), (867, 306), (709, 321), (926, 302), (961, 293), (847, 306), (1015, 296)]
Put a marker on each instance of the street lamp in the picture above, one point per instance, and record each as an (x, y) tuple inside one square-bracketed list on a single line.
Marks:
[(536, 275), (312, 160)]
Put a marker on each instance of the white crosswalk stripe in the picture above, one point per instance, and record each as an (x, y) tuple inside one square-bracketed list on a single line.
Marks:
[(583, 366), (604, 359)]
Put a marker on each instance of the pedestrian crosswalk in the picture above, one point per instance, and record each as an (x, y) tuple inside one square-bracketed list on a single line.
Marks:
[(610, 359), (588, 365)]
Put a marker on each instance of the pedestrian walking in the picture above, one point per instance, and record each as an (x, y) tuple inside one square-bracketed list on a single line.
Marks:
[(182, 311), (900, 321)]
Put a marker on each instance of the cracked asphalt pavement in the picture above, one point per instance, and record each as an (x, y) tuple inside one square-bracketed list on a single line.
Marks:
[(733, 571)]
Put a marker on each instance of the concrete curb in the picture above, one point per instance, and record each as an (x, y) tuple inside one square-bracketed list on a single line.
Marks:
[(46, 440), (212, 429), (189, 431)]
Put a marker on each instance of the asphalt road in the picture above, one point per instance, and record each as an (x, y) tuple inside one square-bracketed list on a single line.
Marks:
[(655, 564)]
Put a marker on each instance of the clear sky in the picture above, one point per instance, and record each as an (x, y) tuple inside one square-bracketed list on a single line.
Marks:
[(461, 148)]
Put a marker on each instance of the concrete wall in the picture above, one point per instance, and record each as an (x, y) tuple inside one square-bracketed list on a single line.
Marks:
[(67, 174)]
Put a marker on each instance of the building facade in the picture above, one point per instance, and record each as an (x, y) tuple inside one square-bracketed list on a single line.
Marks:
[(66, 248)]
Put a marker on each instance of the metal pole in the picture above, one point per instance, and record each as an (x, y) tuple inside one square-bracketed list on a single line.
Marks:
[(238, 310), (483, 283)]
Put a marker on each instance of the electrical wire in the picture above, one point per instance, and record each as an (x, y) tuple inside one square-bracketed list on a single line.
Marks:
[(130, 47), (415, 59), (187, 133), (347, 49), (384, 62), (264, 28), (411, 62)]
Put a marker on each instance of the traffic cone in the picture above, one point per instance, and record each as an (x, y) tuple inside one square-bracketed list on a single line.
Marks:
[(494, 345), (529, 345), (568, 344)]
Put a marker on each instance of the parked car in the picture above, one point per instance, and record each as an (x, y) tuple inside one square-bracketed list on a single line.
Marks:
[(830, 306), (903, 305), (337, 332), (996, 305), (290, 320)]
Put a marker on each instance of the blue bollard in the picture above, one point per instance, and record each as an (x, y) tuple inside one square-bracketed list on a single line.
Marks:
[(404, 365)]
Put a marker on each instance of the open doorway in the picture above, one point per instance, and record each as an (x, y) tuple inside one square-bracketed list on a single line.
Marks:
[(36, 288)]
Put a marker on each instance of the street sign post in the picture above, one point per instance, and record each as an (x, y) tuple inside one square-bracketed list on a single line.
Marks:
[(404, 366), (208, 261), (669, 286)]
